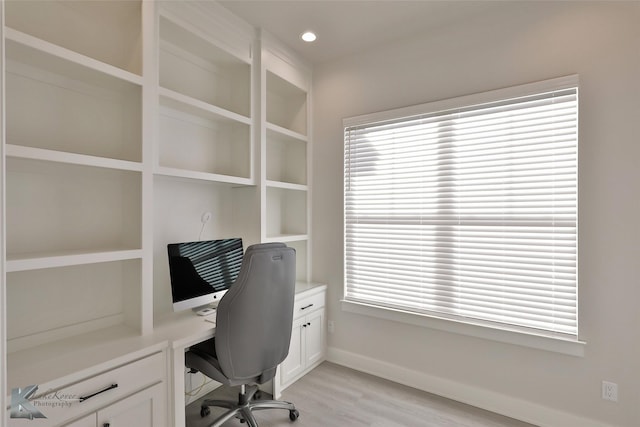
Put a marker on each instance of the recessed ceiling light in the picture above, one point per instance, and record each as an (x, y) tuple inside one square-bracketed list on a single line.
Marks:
[(308, 36)]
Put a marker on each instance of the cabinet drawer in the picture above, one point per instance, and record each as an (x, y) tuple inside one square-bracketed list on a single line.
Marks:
[(65, 403), (307, 304)]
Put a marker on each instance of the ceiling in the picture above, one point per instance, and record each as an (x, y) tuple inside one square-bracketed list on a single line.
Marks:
[(346, 27)]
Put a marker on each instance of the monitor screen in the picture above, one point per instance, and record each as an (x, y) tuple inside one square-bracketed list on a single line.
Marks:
[(201, 272)]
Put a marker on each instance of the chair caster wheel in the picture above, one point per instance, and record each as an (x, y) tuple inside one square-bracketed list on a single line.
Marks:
[(294, 414), (204, 411)]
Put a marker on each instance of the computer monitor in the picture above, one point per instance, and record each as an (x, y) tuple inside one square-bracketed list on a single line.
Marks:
[(202, 272)]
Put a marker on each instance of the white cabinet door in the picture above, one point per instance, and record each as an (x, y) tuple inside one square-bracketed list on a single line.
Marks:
[(307, 346), (88, 421), (143, 409), (308, 339), (314, 337), (294, 363)]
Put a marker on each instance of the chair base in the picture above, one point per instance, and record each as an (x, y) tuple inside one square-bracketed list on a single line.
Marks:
[(244, 407)]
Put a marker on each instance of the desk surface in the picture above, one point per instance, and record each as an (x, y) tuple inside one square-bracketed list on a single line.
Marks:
[(75, 358), (186, 328)]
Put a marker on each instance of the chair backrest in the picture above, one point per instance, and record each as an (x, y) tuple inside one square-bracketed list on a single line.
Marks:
[(254, 318)]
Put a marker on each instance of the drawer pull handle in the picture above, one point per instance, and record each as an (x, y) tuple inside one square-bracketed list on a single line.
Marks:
[(306, 306), (83, 398)]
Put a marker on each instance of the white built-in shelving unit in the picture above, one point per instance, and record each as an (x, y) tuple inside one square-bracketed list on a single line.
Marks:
[(126, 121), (73, 170), (285, 128)]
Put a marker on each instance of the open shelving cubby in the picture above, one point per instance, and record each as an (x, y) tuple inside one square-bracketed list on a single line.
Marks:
[(54, 208), (106, 31), (286, 159), (50, 304), (216, 77), (204, 120), (178, 207), (286, 105), (302, 274), (286, 214), (66, 105), (195, 142)]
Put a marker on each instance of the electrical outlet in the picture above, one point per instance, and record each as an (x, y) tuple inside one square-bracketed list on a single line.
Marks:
[(331, 326), (610, 391)]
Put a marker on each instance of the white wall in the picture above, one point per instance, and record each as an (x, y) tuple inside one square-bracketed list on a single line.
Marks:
[(521, 42)]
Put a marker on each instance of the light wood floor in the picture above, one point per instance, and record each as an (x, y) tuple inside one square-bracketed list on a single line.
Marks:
[(335, 396)]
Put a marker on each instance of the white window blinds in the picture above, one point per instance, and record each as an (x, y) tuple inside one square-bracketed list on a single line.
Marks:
[(470, 212)]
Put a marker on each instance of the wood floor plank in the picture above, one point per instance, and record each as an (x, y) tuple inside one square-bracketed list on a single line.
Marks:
[(335, 396)]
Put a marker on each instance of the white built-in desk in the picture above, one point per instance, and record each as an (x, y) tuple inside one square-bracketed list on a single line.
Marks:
[(148, 368)]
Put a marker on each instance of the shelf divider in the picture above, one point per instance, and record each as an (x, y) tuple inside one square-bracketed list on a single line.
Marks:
[(286, 132), (202, 176), (39, 261), (31, 153), (197, 107), (286, 185)]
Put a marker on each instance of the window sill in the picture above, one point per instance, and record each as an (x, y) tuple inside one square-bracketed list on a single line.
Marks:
[(538, 341)]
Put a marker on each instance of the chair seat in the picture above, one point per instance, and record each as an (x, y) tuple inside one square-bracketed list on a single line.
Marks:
[(202, 358)]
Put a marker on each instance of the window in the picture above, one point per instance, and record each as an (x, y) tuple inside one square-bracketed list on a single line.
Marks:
[(466, 209)]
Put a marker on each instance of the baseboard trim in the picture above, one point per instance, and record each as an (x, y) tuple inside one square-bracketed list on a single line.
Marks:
[(509, 406)]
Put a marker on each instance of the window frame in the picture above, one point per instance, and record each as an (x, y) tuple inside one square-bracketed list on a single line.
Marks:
[(498, 332)]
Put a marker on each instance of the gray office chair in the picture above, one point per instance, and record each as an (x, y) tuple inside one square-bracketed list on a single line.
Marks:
[(253, 330)]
